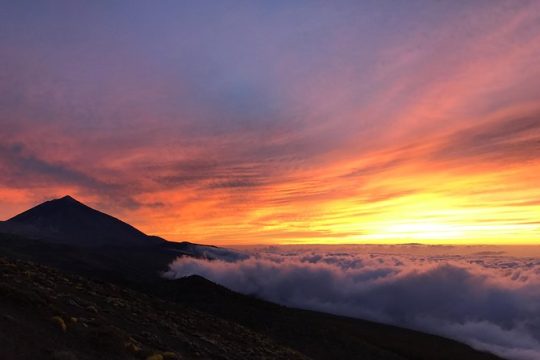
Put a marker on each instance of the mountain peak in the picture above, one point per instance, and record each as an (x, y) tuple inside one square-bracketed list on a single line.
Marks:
[(65, 201), (67, 198), (67, 220)]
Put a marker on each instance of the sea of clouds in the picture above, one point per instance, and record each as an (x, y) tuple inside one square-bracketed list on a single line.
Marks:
[(489, 299)]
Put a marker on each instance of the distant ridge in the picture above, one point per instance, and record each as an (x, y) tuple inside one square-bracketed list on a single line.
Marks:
[(66, 220)]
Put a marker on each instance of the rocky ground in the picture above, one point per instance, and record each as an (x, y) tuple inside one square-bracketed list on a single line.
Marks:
[(46, 314)]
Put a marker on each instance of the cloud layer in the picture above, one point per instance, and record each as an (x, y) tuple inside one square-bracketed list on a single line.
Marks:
[(487, 298)]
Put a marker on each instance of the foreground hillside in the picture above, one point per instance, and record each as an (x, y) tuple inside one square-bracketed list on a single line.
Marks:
[(195, 319), (46, 314)]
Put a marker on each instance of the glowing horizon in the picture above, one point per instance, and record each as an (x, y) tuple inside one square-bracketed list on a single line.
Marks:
[(278, 124)]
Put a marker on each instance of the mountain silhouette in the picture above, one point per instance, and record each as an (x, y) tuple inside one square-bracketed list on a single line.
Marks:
[(66, 220)]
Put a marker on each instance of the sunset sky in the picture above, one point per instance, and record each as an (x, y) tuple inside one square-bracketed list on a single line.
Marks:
[(278, 121)]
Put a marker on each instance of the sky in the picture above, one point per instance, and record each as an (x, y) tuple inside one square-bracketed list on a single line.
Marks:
[(278, 122)]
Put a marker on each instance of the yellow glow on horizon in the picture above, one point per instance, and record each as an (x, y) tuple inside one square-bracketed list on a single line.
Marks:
[(444, 208), (415, 202)]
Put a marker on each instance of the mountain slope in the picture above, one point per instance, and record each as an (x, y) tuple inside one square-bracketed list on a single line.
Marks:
[(66, 220), (46, 314), (317, 335)]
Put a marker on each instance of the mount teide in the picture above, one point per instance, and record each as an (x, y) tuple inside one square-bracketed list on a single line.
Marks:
[(69, 235), (69, 221)]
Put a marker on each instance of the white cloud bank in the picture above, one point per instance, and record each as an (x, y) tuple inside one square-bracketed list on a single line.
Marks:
[(486, 299)]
